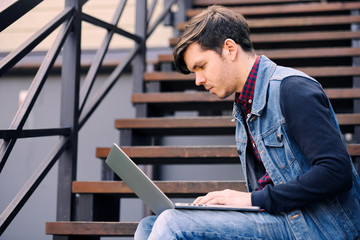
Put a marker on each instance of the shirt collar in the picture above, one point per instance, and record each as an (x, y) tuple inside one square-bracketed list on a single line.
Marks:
[(247, 94)]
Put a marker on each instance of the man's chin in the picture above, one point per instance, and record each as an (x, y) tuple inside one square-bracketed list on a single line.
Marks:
[(222, 95)]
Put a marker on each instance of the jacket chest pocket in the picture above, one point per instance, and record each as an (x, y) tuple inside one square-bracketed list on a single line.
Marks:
[(278, 149)]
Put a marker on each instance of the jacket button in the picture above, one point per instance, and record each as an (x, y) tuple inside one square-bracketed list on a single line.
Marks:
[(295, 216)]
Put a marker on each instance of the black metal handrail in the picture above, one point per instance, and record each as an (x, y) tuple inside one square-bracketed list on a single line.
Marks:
[(13, 10), (39, 80), (15, 56), (76, 107), (31, 133)]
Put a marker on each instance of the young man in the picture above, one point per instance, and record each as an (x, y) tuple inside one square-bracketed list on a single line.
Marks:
[(294, 159)]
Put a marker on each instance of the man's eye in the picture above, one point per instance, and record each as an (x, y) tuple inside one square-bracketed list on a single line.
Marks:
[(202, 66)]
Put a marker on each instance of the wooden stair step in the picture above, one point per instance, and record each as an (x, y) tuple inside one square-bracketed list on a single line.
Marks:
[(312, 71), (343, 93), (288, 8), (304, 36), (302, 21), (204, 126), (178, 126), (122, 229), (178, 97), (348, 119), (177, 155), (294, 22), (175, 101), (193, 101), (167, 76), (165, 155), (296, 36), (196, 123), (311, 53), (170, 188), (206, 97), (294, 53), (330, 71), (354, 149)]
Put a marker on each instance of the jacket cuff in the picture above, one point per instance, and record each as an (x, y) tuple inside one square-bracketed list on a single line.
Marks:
[(258, 199)]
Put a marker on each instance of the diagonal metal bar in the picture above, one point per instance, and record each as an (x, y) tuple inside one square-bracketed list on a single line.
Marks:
[(31, 185), (15, 56), (151, 10), (93, 71), (109, 27), (118, 12), (109, 83), (34, 91), (160, 18), (10, 11), (98, 59), (30, 133)]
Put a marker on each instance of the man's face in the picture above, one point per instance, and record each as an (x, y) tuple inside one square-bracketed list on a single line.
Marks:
[(214, 72)]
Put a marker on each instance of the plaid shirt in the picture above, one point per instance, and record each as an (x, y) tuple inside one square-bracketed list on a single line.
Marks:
[(244, 100)]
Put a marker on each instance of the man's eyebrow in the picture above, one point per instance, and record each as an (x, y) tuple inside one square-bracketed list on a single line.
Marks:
[(195, 66)]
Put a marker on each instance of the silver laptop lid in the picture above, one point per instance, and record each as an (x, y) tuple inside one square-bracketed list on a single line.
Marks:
[(142, 186)]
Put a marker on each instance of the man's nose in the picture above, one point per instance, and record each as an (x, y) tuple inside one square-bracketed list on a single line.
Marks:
[(199, 79)]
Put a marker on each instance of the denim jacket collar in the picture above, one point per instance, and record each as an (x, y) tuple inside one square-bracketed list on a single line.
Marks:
[(266, 70)]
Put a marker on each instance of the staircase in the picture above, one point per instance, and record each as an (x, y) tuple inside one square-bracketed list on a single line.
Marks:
[(321, 38)]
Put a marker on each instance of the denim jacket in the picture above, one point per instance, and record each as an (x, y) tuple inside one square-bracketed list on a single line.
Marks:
[(336, 218)]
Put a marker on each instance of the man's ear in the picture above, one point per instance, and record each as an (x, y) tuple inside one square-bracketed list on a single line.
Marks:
[(230, 48)]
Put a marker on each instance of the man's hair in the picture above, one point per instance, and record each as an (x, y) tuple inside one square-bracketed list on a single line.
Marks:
[(210, 29)]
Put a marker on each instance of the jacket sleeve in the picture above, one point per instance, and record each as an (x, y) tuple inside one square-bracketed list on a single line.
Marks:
[(306, 110)]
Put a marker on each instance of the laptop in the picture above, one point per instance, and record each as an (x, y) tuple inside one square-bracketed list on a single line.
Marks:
[(148, 192)]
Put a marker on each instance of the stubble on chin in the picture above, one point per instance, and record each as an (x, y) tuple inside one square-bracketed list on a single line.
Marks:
[(223, 95)]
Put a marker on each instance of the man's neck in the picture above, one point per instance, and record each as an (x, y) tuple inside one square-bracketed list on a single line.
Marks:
[(246, 62)]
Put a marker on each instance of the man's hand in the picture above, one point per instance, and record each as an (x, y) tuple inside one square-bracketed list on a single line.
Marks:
[(226, 197)]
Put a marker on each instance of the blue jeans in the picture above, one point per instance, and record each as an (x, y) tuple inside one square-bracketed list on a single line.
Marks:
[(184, 224)]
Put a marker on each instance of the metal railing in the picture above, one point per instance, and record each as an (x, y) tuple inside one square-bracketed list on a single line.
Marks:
[(76, 104)]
